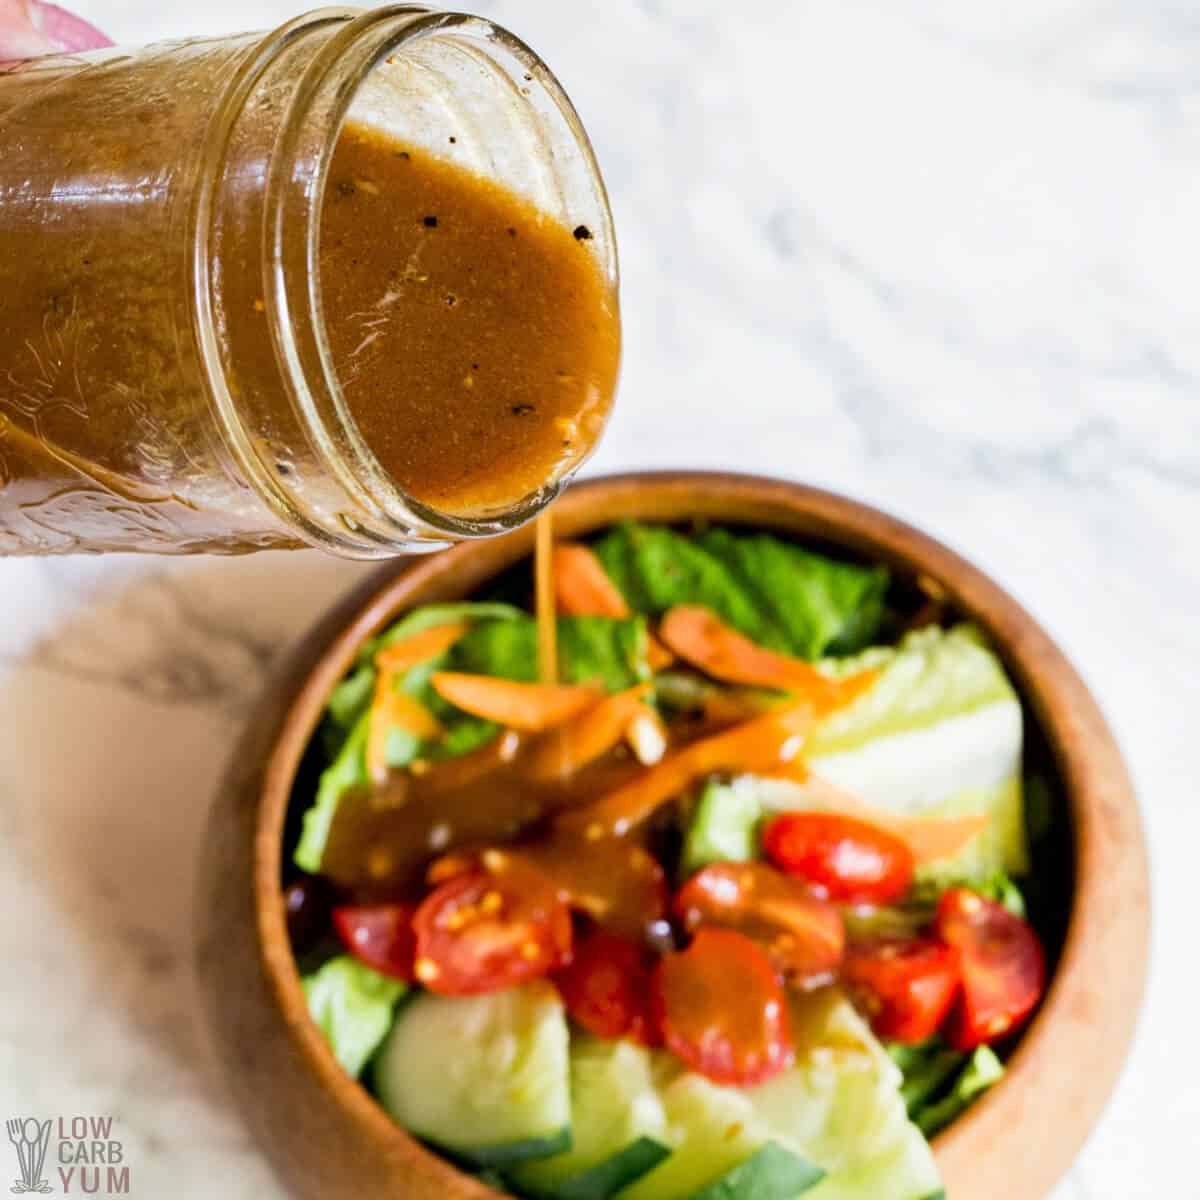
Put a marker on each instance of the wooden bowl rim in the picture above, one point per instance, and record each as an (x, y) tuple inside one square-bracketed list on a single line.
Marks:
[(1085, 1025)]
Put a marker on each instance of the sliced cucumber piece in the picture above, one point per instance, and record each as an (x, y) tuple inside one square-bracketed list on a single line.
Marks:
[(724, 827), (771, 1173), (618, 1125), (711, 1130), (606, 1179), (483, 1077), (840, 1107)]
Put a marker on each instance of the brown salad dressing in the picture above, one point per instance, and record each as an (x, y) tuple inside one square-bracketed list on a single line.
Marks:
[(476, 339)]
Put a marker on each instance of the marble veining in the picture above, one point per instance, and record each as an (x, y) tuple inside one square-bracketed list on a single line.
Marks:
[(938, 256)]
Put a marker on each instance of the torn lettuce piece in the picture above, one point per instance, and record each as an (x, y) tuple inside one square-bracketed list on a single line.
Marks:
[(774, 592), (982, 1071), (352, 1006), (939, 734), (823, 606), (609, 650), (347, 771)]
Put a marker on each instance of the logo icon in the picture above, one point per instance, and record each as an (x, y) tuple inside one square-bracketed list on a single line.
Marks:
[(31, 1138)]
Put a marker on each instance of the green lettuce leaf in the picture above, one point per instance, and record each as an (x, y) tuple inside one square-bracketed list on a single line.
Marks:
[(824, 607), (939, 734), (352, 1006), (776, 593), (983, 1069), (590, 649)]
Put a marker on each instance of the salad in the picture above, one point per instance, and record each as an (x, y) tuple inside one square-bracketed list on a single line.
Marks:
[(685, 863)]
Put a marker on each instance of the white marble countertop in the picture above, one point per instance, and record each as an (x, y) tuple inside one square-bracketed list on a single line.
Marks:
[(939, 256)]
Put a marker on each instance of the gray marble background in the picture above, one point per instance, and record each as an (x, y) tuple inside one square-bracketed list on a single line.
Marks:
[(940, 256)]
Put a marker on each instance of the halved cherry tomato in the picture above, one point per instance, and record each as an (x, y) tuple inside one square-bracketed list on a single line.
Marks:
[(851, 861), (905, 986), (801, 933), (380, 935), (1003, 967), (478, 933), (721, 1009), (606, 987)]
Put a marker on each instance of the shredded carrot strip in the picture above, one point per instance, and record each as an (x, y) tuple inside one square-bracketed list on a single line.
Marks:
[(929, 838), (391, 709), (705, 641), (757, 745), (582, 587), (526, 706), (570, 746), (421, 647), (547, 625)]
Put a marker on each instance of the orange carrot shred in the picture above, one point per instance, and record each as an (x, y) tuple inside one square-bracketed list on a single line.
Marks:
[(570, 746), (757, 745), (698, 636), (391, 709), (582, 587), (420, 647), (526, 706)]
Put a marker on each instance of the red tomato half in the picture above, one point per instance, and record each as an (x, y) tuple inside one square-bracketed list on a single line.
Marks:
[(606, 987), (721, 1009), (852, 861), (380, 935), (906, 987), (477, 933), (801, 933), (1003, 967)]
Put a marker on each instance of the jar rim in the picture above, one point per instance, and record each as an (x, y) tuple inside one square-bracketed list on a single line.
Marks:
[(381, 516)]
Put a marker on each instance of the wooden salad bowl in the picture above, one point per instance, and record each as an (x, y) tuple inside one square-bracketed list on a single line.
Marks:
[(326, 1135)]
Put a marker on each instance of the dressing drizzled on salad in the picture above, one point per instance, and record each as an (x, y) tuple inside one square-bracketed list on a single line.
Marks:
[(690, 909)]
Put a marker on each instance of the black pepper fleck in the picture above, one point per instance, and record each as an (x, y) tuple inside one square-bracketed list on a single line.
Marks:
[(522, 410), (451, 301), (512, 232), (403, 154), (582, 233), (346, 188), (430, 222), (528, 77), (453, 140)]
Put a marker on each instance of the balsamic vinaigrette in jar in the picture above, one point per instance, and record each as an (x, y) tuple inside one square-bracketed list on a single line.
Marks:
[(476, 339)]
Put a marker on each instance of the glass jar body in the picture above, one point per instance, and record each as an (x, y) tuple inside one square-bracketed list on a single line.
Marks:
[(164, 384)]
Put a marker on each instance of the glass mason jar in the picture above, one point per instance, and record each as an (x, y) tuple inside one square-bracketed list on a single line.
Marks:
[(151, 199)]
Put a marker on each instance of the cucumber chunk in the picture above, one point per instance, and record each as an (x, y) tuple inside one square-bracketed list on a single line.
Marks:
[(484, 1078), (771, 1173), (840, 1107), (711, 1130), (724, 827), (618, 1125), (606, 1179)]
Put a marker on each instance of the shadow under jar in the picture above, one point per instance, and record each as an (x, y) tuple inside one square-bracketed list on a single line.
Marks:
[(349, 284)]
